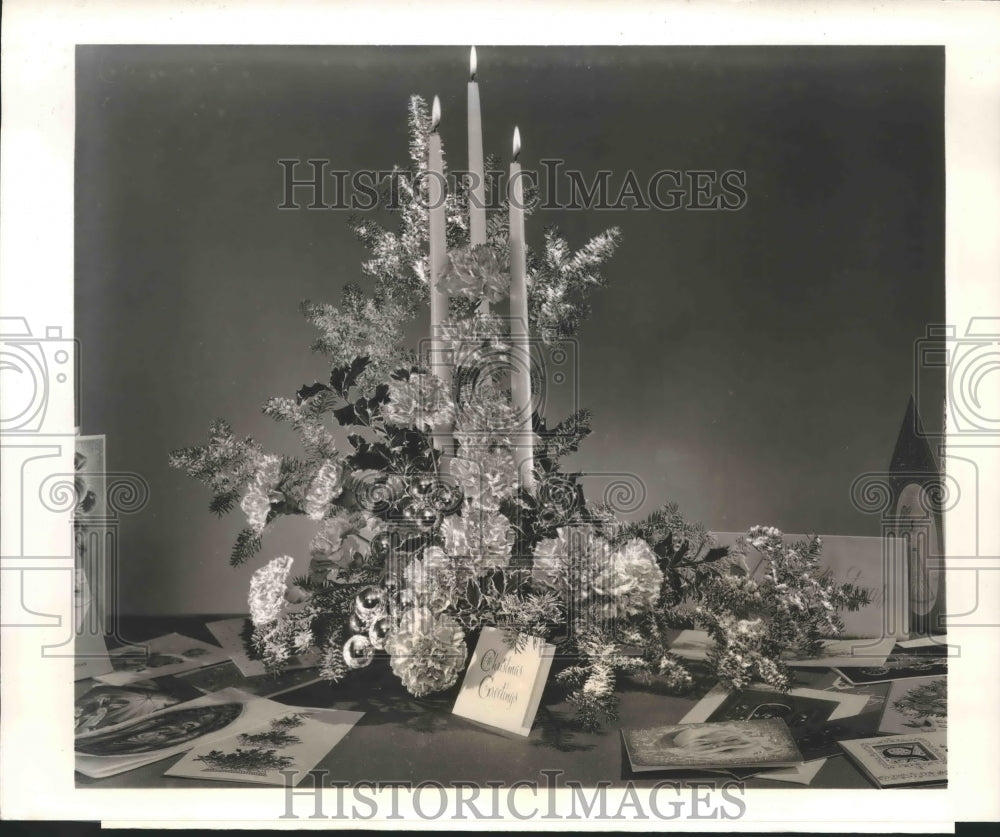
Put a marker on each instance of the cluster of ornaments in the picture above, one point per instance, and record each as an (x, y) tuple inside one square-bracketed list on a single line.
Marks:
[(428, 500), (369, 626)]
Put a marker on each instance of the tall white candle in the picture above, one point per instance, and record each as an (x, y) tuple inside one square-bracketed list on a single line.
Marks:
[(438, 261), (477, 174), (520, 346)]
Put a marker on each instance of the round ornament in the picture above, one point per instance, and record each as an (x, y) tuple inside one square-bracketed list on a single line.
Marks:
[(381, 546), (427, 519), (422, 487), (379, 633), (358, 651), (368, 601)]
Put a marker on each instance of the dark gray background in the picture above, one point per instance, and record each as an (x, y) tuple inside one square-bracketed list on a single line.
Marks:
[(748, 365)]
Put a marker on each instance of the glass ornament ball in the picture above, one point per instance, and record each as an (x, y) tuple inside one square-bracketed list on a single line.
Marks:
[(379, 633), (358, 651), (422, 487), (427, 519), (381, 545), (446, 498), (368, 601), (355, 624)]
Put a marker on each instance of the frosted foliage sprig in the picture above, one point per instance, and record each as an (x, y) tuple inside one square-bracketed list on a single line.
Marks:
[(561, 281), (399, 262), (361, 326)]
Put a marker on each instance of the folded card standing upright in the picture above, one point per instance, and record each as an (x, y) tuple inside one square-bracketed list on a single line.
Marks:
[(503, 684)]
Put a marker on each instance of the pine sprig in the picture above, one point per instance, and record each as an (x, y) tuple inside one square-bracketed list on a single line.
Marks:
[(562, 280), (248, 543)]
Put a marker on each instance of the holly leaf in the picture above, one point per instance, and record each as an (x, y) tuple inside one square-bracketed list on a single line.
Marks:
[(346, 415), (361, 410), (345, 377), (307, 392), (380, 397)]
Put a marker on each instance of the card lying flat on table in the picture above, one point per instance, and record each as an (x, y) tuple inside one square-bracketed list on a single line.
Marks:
[(296, 740), (901, 664), (899, 760), (170, 654), (695, 645), (104, 706), (916, 705), (226, 675), (815, 718), (170, 731), (718, 747)]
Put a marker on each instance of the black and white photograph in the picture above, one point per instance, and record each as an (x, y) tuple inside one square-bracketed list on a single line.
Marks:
[(505, 401)]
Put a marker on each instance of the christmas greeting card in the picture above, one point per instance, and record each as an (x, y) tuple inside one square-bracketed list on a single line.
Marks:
[(294, 741), (503, 684)]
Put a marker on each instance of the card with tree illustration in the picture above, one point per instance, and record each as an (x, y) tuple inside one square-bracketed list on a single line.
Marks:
[(295, 741), (916, 705)]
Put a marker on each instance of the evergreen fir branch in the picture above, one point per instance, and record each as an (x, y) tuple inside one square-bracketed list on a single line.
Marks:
[(226, 464), (248, 543), (565, 437), (561, 281), (223, 503)]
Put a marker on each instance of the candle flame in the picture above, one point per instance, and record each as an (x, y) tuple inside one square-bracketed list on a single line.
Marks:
[(517, 143), (435, 114), (472, 64)]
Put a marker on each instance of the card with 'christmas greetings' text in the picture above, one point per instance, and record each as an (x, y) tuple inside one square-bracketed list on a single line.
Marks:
[(503, 685)]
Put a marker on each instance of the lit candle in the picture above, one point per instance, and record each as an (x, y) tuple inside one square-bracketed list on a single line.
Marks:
[(520, 348), (477, 190), (438, 261)]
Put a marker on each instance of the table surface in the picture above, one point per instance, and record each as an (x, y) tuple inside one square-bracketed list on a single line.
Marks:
[(403, 739)]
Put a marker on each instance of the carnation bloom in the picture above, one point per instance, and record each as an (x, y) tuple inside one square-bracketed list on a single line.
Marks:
[(487, 476), (426, 652), (473, 272), (333, 548), (423, 401), (573, 557), (481, 540), (629, 580), (267, 590), (326, 486), (256, 503)]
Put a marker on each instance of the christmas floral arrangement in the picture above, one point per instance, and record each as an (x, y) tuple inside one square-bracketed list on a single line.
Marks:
[(418, 546)]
